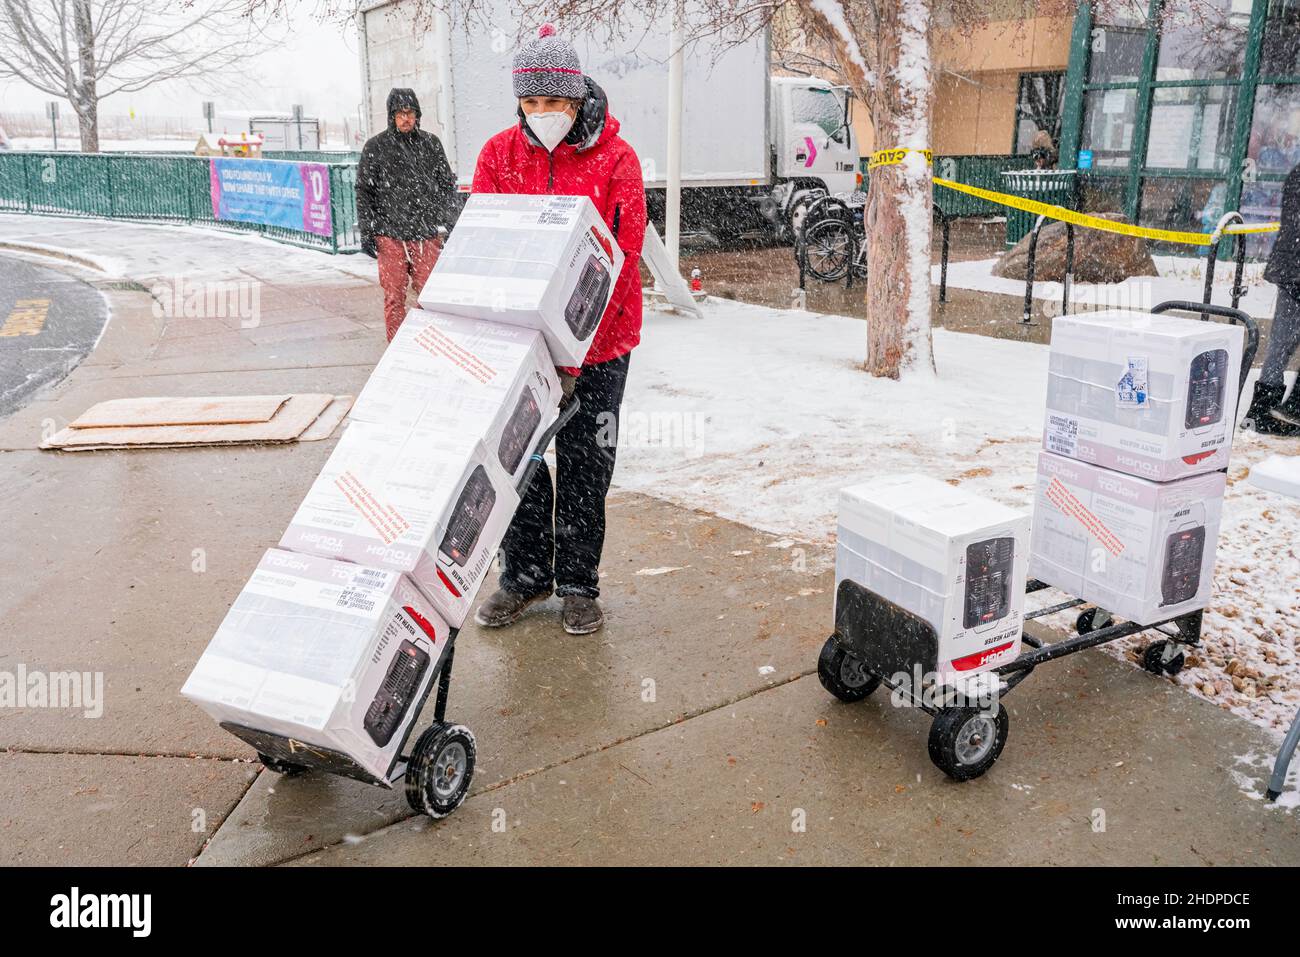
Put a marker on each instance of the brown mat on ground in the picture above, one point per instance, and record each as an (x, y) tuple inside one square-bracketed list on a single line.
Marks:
[(181, 410), (294, 418)]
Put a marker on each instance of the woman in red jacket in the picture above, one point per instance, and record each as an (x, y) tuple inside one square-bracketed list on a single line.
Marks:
[(567, 143)]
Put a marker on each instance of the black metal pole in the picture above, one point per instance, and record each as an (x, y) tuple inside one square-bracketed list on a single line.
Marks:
[(944, 222), (1069, 269), (1027, 317), (1238, 290)]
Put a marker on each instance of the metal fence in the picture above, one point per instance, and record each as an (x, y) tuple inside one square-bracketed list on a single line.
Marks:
[(154, 188)]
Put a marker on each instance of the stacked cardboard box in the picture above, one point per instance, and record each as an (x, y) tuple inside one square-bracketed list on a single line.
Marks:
[(341, 630), (950, 558), (1139, 422)]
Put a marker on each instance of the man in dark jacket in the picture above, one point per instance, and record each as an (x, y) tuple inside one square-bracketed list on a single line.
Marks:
[(405, 192), (1272, 416)]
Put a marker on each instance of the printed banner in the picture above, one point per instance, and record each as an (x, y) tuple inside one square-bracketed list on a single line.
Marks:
[(273, 193)]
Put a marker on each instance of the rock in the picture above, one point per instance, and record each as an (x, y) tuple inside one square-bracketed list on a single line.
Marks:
[(1098, 256), (1232, 666)]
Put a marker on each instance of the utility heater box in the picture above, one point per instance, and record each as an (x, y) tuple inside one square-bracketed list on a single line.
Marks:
[(543, 262), (483, 379), (1142, 550), (433, 505), (1149, 395), (953, 559), (322, 661)]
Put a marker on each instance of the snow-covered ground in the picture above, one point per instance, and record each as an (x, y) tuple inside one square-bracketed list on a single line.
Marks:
[(762, 415), (1180, 278)]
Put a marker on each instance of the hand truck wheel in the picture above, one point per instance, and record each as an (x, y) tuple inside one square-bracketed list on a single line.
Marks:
[(842, 674), (280, 766), (440, 770), (1092, 619), (964, 742), (1154, 660)]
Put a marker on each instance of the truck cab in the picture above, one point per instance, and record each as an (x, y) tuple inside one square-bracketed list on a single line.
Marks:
[(812, 135)]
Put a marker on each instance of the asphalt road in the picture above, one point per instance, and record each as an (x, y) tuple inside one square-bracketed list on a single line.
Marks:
[(49, 321)]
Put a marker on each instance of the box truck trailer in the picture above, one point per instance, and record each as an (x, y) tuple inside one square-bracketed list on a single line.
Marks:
[(752, 144)]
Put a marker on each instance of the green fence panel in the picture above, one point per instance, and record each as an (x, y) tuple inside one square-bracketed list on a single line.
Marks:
[(69, 183), (156, 187), (13, 182)]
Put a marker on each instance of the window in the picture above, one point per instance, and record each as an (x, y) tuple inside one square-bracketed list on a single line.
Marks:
[(1038, 107), (1186, 203), (819, 106), (1202, 39), (1275, 132), (1108, 122), (1118, 44), (1191, 127)]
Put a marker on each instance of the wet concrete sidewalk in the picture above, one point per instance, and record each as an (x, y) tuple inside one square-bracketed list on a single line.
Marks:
[(692, 729)]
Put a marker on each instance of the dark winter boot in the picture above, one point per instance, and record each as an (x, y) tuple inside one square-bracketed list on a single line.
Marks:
[(582, 615), (1261, 404), (504, 607), (1288, 413)]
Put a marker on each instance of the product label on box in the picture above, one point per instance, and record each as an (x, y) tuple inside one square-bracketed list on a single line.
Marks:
[(1062, 435), (1132, 390), (1062, 498)]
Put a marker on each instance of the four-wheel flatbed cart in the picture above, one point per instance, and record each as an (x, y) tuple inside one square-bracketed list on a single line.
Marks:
[(439, 768), (875, 641)]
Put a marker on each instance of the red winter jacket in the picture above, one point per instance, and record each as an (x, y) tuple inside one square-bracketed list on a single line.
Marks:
[(609, 173)]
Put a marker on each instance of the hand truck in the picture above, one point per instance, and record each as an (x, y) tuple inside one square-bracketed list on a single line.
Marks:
[(438, 770), (876, 642)]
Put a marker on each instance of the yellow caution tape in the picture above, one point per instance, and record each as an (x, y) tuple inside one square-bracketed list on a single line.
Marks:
[(895, 156), (1094, 222)]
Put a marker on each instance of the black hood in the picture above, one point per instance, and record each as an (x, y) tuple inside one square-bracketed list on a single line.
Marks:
[(588, 124), (402, 98)]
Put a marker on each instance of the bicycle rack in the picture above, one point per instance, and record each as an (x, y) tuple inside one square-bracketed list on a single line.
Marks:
[(1027, 315)]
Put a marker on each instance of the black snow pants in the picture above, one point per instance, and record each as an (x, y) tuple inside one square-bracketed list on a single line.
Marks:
[(558, 532)]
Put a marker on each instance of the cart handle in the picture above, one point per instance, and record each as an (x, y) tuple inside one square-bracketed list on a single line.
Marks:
[(568, 410), (1235, 315)]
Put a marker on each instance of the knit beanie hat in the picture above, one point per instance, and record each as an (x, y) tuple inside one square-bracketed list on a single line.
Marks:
[(548, 66)]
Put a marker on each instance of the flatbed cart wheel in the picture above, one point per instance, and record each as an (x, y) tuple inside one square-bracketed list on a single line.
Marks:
[(964, 742), (842, 674), (1153, 659), (1092, 619), (280, 766), (440, 770)]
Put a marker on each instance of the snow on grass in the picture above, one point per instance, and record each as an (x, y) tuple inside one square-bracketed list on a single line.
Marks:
[(1180, 278), (762, 415)]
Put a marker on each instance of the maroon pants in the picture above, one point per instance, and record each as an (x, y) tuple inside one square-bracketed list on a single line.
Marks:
[(403, 263)]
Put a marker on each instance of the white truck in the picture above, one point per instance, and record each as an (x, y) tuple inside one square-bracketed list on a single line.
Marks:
[(752, 144)]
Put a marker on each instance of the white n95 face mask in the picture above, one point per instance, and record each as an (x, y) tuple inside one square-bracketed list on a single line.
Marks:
[(550, 128)]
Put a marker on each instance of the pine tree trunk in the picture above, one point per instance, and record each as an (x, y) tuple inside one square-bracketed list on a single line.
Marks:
[(85, 101), (898, 215)]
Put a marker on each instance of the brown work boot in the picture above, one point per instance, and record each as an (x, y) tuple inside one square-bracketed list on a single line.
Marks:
[(582, 615), (504, 607)]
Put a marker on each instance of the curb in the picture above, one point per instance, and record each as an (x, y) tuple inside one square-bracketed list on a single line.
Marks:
[(52, 252)]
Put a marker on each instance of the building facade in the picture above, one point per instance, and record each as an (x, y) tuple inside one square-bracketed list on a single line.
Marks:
[(1177, 110)]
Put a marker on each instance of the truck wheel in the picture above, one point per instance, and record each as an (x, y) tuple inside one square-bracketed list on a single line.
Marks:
[(842, 674), (964, 742), (440, 770)]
